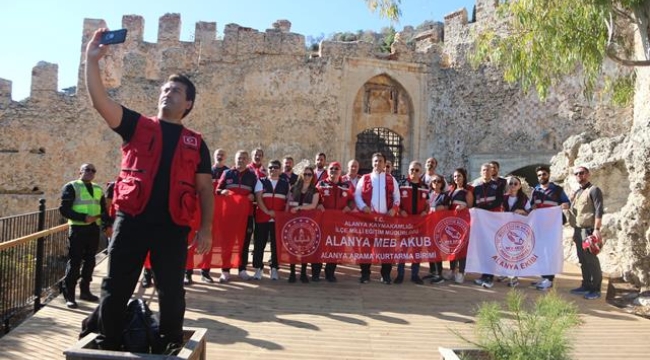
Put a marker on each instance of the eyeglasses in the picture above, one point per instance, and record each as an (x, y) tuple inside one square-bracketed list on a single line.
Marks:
[(335, 169), (514, 183), (579, 173), (414, 170), (542, 175), (90, 170), (307, 174)]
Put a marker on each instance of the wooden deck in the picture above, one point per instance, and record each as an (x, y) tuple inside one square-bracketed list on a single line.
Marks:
[(346, 320)]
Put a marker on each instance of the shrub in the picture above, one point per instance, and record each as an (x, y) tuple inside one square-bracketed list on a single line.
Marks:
[(525, 330)]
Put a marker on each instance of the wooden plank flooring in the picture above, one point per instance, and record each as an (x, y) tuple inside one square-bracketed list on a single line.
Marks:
[(346, 320)]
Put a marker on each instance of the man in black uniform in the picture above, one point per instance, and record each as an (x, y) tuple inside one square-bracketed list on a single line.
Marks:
[(84, 205), (164, 167)]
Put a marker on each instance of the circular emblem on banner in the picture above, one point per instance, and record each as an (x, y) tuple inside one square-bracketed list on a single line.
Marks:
[(301, 236), (449, 233), (514, 241)]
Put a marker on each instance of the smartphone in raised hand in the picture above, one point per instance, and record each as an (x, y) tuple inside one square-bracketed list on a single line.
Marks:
[(113, 37)]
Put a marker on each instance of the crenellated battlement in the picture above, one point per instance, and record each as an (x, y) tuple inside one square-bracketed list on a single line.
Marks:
[(138, 58)]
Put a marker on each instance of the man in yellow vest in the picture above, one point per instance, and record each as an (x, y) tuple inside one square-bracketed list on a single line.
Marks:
[(84, 205)]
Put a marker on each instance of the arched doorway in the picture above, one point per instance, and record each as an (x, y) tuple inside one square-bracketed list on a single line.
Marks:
[(382, 121), (381, 140)]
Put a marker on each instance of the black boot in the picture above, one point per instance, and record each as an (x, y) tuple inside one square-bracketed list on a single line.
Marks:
[(85, 293), (68, 296), (292, 273)]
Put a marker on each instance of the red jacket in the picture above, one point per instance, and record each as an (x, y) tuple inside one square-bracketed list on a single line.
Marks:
[(140, 161)]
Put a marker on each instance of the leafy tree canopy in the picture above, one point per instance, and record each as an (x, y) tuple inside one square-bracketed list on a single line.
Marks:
[(548, 39)]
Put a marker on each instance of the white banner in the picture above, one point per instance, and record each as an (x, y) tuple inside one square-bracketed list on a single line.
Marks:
[(505, 243)]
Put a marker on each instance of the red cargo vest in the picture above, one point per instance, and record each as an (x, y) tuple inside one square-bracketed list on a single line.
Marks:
[(140, 160)]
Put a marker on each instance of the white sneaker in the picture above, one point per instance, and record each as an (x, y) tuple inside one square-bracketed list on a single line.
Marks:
[(244, 275), (459, 278), (544, 285), (258, 274), (274, 274), (224, 278), (448, 275)]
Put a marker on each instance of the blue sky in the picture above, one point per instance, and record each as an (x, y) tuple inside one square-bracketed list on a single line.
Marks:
[(48, 30)]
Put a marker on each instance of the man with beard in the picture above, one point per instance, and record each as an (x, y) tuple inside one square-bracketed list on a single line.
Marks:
[(219, 165), (588, 208), (241, 181), (338, 194), (256, 165), (431, 166), (319, 172), (287, 171), (164, 177), (353, 172), (377, 192), (547, 194)]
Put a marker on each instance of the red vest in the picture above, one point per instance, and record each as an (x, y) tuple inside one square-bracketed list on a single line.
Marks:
[(366, 191), (335, 196), (406, 198), (140, 160), (274, 198)]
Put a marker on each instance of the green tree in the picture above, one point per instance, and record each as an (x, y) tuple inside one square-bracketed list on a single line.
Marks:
[(549, 39), (389, 9)]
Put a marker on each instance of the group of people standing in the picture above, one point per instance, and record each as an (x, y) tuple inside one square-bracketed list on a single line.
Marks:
[(166, 175)]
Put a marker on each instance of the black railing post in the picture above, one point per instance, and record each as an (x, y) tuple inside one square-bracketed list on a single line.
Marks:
[(40, 244)]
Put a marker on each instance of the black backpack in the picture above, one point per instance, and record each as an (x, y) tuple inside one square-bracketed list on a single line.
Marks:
[(141, 331)]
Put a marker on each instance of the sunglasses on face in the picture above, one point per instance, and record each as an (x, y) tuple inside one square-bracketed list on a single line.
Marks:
[(512, 183), (90, 170), (307, 174), (273, 167), (579, 173)]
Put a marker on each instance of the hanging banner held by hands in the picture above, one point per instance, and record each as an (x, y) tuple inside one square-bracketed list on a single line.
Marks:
[(228, 231), (355, 238), (509, 244)]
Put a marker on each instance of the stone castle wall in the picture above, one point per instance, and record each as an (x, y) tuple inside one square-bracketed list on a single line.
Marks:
[(264, 88)]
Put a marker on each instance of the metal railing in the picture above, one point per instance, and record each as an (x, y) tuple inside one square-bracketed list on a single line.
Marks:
[(33, 256)]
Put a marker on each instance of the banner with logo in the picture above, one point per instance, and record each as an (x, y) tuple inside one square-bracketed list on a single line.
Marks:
[(228, 231), (354, 238), (505, 243)]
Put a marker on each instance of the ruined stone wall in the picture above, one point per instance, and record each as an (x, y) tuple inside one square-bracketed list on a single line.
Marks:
[(263, 88)]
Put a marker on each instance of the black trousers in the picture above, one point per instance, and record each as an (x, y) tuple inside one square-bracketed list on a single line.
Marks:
[(386, 268), (83, 241), (262, 233), (592, 275), (132, 239)]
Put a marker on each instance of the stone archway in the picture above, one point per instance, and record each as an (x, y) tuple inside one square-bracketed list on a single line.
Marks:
[(383, 111)]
